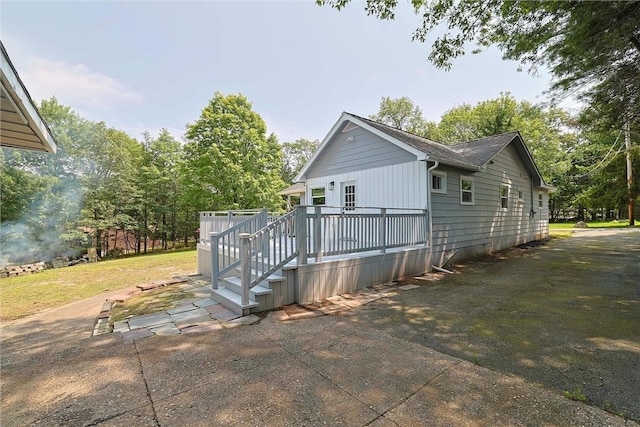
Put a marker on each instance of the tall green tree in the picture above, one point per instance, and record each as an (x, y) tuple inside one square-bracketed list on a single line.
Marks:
[(160, 184), (230, 162), (402, 113), (295, 155)]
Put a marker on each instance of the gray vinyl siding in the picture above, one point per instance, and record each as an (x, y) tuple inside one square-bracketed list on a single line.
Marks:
[(485, 226), (363, 150)]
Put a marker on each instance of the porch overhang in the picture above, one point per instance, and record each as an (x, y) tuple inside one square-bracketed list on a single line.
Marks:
[(21, 125)]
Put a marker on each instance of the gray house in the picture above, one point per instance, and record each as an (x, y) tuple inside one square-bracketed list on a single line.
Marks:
[(482, 195), (377, 204)]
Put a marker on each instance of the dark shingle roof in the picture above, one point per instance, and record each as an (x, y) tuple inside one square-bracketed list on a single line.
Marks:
[(469, 155), (480, 151)]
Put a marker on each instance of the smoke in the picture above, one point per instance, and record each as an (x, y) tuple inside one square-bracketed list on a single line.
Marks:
[(48, 227)]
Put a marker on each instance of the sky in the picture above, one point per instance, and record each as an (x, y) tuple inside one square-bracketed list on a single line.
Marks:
[(146, 65)]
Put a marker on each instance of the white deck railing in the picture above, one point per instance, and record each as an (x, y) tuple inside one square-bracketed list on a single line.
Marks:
[(219, 221), (261, 243)]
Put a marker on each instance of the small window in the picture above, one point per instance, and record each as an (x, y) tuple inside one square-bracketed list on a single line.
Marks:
[(466, 190), (349, 191), (318, 196), (540, 200), (520, 195), (504, 196), (439, 182)]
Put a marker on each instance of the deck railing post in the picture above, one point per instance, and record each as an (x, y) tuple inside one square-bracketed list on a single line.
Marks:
[(317, 233), (383, 230), (301, 234), (245, 266), (426, 227), (215, 259)]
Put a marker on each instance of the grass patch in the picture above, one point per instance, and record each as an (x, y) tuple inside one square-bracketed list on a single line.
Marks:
[(576, 395), (592, 224), (24, 295), (560, 234), (147, 302)]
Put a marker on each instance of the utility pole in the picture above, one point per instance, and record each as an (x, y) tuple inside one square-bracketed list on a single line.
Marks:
[(627, 142)]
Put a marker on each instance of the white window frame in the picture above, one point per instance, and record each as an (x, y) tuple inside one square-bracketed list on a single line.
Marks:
[(443, 182), (504, 196), (462, 191), (520, 195), (349, 205), (540, 199), (324, 195)]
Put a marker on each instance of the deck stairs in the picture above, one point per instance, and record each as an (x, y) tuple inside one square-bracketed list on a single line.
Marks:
[(262, 297)]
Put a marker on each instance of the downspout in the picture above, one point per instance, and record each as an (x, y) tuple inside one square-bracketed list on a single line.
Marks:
[(429, 207), (532, 212)]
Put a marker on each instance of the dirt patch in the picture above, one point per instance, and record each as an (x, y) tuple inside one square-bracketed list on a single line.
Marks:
[(562, 314)]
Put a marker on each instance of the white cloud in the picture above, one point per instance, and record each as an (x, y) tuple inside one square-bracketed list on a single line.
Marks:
[(74, 84)]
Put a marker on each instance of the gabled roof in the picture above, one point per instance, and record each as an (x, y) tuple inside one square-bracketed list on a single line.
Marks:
[(21, 126), (472, 156)]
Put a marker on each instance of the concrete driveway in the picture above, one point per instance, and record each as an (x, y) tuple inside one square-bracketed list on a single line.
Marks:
[(565, 316), (371, 364)]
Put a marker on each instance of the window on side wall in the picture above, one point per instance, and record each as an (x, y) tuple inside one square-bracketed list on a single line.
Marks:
[(318, 196), (438, 182), (466, 190), (540, 200), (349, 195), (504, 196), (520, 195)]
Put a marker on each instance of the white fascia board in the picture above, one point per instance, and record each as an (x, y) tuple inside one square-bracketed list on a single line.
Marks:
[(17, 92)]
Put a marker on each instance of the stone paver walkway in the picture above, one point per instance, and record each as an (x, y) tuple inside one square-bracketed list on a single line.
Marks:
[(198, 314), (204, 314)]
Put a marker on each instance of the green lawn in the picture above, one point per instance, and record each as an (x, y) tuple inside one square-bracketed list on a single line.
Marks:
[(24, 295), (592, 224)]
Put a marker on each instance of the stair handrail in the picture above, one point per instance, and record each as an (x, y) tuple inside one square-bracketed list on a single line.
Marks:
[(229, 239), (270, 249)]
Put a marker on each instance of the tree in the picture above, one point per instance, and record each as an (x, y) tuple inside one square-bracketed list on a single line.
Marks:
[(230, 163), (295, 155), (402, 113), (592, 49), (160, 184)]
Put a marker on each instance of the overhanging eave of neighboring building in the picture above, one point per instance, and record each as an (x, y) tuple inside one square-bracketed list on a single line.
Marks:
[(21, 125)]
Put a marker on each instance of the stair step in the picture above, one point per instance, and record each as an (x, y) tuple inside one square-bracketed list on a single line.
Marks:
[(271, 278), (235, 284), (233, 301)]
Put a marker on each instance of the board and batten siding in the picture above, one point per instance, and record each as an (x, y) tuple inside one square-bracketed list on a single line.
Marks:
[(397, 186), (355, 150), (485, 226)]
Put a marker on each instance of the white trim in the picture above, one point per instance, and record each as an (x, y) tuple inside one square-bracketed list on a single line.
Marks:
[(473, 190), (506, 196), (343, 194), (324, 187), (346, 117), (443, 181), (520, 195), (19, 97)]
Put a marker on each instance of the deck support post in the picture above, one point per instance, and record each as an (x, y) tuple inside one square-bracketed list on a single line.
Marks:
[(215, 261), (383, 230), (301, 234), (317, 233), (245, 266)]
